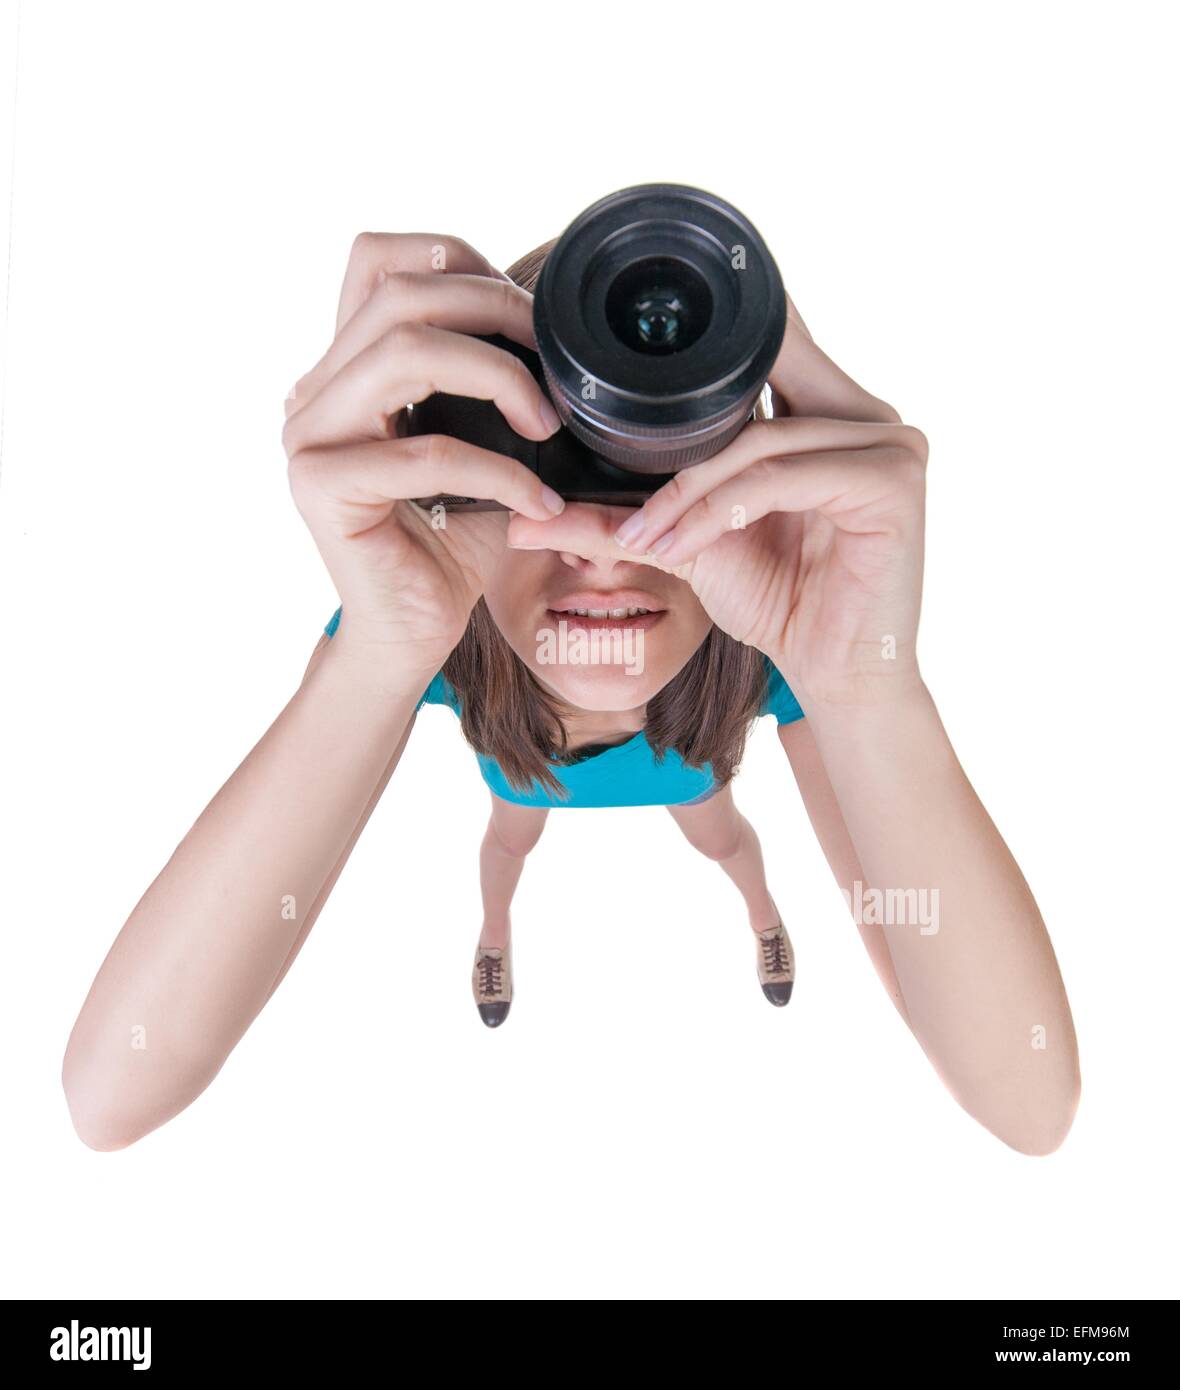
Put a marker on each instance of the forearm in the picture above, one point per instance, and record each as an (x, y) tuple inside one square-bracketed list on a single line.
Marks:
[(827, 821), (206, 944), (974, 962), (308, 920)]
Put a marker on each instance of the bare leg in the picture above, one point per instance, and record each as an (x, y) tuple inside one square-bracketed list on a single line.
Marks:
[(720, 832), (512, 832)]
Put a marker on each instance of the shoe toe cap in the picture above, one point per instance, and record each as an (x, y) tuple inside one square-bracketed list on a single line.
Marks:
[(493, 1014), (778, 994)]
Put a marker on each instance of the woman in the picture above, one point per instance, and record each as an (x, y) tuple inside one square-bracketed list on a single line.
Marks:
[(781, 576)]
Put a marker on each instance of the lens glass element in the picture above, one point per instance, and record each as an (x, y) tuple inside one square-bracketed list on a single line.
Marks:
[(658, 305)]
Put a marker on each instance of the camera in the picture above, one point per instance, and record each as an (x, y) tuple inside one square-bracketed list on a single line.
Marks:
[(658, 315)]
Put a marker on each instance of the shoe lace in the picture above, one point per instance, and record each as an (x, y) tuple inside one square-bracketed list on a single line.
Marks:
[(491, 974), (776, 957)]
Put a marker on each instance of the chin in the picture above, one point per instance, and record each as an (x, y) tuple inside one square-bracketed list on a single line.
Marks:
[(602, 688)]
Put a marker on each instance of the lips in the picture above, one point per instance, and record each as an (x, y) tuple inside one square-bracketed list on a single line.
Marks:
[(620, 608), (640, 623)]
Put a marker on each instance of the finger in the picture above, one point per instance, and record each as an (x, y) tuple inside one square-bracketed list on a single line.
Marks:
[(759, 439), (859, 490), (810, 383), (795, 317), (407, 364), (795, 323), (465, 303), (360, 482), (585, 529), (375, 254)]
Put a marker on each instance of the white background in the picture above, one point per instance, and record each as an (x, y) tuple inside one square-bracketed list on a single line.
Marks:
[(974, 212)]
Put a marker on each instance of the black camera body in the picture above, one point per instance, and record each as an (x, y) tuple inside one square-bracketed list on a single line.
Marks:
[(570, 467), (658, 315)]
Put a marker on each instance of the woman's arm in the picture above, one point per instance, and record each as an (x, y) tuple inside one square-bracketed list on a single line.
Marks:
[(804, 539), (214, 934), (966, 956), (823, 810), (314, 911)]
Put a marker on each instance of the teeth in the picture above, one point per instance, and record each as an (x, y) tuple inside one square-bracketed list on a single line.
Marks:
[(607, 612)]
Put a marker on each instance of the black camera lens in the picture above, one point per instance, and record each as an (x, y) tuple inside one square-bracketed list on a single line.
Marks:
[(658, 314)]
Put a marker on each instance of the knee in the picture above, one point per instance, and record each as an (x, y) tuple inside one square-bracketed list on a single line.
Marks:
[(719, 852), (516, 842), (720, 844)]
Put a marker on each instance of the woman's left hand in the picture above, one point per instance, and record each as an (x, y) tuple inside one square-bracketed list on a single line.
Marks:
[(803, 537)]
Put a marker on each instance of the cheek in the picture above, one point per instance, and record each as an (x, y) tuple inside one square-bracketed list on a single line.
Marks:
[(512, 622), (511, 598)]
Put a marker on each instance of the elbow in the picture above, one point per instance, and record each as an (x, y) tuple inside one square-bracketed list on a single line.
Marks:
[(99, 1135), (1037, 1124), (113, 1105), (1043, 1137), (99, 1119), (99, 1127)]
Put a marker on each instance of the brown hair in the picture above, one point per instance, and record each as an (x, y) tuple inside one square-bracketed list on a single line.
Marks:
[(703, 713)]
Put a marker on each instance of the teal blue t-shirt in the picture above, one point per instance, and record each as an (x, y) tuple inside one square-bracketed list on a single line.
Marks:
[(624, 775)]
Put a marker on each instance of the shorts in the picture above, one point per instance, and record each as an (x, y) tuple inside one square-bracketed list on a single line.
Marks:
[(704, 796)]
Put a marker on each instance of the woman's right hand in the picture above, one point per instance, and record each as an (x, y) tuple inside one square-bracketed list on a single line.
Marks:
[(407, 585)]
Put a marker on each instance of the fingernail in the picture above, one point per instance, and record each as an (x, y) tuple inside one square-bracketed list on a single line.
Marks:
[(553, 501), (549, 417), (631, 528), (664, 543)]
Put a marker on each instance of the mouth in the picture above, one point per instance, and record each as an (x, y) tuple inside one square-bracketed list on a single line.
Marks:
[(627, 609)]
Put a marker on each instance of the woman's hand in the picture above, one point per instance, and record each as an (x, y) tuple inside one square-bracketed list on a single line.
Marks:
[(802, 538), (407, 584)]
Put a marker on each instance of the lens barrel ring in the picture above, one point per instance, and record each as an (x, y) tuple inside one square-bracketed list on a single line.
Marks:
[(660, 410)]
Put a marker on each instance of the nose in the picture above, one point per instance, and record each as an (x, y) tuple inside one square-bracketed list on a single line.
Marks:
[(600, 568)]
